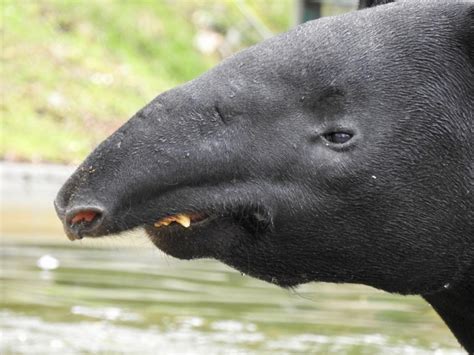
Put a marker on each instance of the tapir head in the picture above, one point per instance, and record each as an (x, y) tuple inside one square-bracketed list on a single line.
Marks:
[(340, 151)]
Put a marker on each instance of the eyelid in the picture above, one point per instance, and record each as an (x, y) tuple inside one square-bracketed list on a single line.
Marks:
[(350, 134), (347, 145)]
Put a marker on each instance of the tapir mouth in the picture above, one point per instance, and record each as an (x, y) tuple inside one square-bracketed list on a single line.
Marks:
[(183, 219), (251, 219), (182, 230)]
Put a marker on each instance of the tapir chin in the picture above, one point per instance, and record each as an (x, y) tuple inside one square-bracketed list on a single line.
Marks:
[(340, 151)]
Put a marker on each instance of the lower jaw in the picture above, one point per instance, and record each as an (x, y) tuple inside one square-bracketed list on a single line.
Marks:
[(210, 238), (178, 241)]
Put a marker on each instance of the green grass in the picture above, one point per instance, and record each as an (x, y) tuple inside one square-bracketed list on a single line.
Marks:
[(73, 71)]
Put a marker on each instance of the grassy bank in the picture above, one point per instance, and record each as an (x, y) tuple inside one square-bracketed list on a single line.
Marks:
[(74, 71)]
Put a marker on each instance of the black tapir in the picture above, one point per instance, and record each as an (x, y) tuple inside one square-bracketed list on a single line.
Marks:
[(340, 151)]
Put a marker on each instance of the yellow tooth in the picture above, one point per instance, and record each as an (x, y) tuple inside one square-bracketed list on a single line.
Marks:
[(184, 220), (163, 222)]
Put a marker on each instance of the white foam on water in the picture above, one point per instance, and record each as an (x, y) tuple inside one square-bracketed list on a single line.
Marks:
[(31, 335)]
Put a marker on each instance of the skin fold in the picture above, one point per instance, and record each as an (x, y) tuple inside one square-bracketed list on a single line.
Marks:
[(340, 151)]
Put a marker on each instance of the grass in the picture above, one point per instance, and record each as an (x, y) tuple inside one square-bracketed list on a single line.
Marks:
[(73, 71)]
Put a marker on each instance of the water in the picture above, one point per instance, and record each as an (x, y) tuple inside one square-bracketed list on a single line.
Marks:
[(112, 296)]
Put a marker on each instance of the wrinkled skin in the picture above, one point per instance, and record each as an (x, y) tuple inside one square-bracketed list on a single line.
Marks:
[(251, 144)]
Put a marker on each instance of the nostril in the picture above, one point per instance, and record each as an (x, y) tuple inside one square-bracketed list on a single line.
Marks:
[(83, 221), (85, 216)]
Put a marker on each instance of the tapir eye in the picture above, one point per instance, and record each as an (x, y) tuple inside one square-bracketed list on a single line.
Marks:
[(338, 137)]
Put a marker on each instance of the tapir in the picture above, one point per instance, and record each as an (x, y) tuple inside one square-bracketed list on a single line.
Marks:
[(340, 151)]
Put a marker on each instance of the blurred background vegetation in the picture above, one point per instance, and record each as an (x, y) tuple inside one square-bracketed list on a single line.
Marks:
[(74, 71)]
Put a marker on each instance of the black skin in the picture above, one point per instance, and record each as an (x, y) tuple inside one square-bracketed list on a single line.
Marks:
[(259, 144)]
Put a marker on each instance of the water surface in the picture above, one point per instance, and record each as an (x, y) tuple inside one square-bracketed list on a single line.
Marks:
[(111, 296)]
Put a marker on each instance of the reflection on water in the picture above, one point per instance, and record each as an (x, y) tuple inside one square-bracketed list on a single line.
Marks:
[(62, 298)]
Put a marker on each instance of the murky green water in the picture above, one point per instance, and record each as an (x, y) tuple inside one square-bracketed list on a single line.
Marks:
[(115, 299)]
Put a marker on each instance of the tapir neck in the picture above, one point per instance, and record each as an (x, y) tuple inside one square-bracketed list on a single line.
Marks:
[(455, 304)]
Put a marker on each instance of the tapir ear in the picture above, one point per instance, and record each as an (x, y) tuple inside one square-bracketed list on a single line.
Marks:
[(371, 3)]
